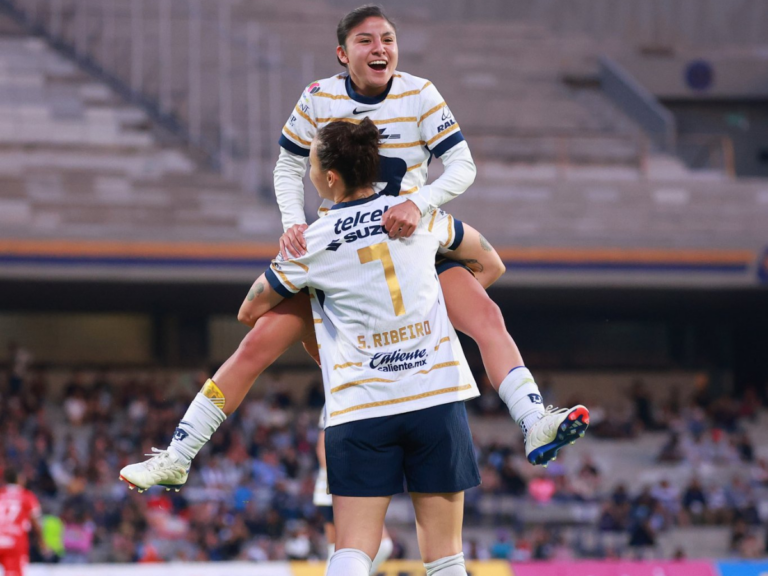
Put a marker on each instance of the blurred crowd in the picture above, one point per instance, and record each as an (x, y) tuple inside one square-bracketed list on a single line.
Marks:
[(249, 495)]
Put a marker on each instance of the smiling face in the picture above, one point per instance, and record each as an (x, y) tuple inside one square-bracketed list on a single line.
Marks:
[(370, 53)]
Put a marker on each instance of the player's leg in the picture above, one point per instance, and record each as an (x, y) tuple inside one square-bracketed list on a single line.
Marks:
[(273, 334), (359, 522), (439, 464), (439, 518), (472, 312)]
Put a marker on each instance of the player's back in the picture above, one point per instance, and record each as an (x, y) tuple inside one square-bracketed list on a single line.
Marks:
[(17, 508), (385, 341)]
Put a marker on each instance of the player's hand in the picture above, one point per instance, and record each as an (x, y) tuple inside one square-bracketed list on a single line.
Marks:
[(400, 221), (292, 243)]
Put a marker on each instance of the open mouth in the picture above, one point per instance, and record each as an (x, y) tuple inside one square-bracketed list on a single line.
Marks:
[(379, 65)]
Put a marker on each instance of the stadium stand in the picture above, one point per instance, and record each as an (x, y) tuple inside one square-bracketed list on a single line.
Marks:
[(620, 493), (78, 162)]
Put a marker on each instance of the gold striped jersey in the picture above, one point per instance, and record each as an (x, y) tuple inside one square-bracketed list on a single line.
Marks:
[(386, 344), (413, 119)]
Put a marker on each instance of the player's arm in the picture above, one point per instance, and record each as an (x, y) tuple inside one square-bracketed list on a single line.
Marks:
[(442, 133), (459, 174), (283, 279), (295, 140), (261, 299), (477, 254)]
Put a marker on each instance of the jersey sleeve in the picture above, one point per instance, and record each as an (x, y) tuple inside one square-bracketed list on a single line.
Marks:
[(301, 126), (288, 277), (448, 230), (439, 129)]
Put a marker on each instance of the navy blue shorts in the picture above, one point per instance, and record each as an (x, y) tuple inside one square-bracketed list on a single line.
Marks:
[(442, 264), (429, 450)]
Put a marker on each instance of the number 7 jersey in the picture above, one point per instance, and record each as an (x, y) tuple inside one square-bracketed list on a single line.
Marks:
[(386, 344)]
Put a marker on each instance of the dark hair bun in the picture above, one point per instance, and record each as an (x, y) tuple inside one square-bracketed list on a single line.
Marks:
[(366, 133), (352, 150)]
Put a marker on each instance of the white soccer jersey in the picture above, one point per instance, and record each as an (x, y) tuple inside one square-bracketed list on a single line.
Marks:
[(414, 121), (386, 344)]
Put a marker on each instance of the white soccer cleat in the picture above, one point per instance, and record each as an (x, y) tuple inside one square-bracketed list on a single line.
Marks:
[(161, 469), (556, 428)]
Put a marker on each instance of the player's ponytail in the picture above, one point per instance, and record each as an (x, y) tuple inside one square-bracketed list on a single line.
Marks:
[(352, 150)]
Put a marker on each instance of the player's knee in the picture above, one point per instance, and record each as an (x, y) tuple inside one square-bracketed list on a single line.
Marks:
[(486, 321), (251, 349)]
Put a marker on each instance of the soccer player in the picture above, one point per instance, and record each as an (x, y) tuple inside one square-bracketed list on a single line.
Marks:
[(394, 373), (323, 500), (19, 513), (415, 124)]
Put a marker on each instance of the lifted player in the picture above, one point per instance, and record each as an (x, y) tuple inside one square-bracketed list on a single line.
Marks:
[(415, 124)]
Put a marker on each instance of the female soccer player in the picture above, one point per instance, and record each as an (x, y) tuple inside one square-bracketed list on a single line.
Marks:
[(414, 124), (394, 372)]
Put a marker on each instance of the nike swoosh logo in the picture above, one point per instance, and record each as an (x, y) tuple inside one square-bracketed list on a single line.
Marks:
[(356, 111)]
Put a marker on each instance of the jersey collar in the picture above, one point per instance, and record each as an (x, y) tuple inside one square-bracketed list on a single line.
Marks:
[(367, 99), (355, 202)]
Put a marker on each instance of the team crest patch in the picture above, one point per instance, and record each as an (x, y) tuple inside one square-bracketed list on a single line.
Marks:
[(313, 88), (180, 434), (535, 398)]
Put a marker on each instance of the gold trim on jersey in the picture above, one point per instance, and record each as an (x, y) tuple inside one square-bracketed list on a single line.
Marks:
[(403, 144), (332, 96), (292, 135), (404, 399), (442, 341), (299, 264), (430, 112), (440, 366), (443, 133), (305, 116), (347, 365), (432, 221), (358, 383), (408, 93), (409, 191), (318, 320), (450, 232), (419, 165), (323, 209), (285, 279)]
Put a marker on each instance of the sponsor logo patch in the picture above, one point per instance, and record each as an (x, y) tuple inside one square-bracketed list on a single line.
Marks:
[(180, 434), (313, 88), (535, 398)]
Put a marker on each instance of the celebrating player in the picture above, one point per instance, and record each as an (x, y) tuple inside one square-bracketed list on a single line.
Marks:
[(394, 372), (19, 513), (415, 124)]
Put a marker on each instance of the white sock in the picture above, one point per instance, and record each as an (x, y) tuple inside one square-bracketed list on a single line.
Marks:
[(520, 393), (385, 551), (448, 566), (349, 562), (202, 419)]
